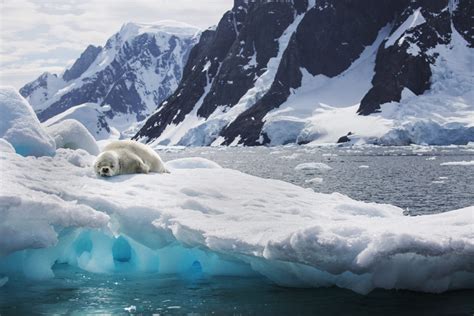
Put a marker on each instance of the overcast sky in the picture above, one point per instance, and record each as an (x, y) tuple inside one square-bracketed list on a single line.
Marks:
[(47, 35)]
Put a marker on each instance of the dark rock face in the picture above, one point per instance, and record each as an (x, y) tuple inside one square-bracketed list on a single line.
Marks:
[(324, 40), (83, 63), (133, 74), (396, 68)]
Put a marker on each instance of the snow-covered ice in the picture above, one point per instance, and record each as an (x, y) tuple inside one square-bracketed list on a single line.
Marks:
[(72, 134), (223, 221), (20, 126), (6, 146), (91, 115)]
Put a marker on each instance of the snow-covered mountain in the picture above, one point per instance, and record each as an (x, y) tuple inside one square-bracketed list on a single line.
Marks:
[(277, 72), (123, 82)]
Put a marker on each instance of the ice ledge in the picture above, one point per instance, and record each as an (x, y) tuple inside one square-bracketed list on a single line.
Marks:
[(221, 222)]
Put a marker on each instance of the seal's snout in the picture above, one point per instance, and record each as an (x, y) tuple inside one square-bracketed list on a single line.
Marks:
[(105, 172)]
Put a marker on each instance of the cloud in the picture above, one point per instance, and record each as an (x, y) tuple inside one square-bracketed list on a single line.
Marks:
[(44, 35)]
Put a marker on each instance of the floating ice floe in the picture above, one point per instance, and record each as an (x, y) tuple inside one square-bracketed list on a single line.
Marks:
[(220, 222), (458, 163), (312, 166), (315, 180)]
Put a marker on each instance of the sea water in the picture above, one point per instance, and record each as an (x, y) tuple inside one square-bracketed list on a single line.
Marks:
[(412, 178)]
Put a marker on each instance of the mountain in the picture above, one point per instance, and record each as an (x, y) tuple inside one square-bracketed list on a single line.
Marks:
[(135, 71), (278, 72)]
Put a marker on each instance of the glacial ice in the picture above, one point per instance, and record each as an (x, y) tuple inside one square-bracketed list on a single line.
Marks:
[(20, 126), (202, 219), (72, 134)]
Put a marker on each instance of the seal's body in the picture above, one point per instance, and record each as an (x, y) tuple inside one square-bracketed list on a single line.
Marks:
[(127, 156)]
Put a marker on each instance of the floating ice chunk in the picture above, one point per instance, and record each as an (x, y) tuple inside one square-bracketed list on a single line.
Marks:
[(458, 163), (222, 222), (131, 309), (312, 166), (3, 281), (315, 180), (431, 158), (5, 146), (73, 135), (364, 167), (192, 163), (20, 126)]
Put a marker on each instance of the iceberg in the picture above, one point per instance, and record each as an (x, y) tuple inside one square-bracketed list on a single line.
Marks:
[(204, 219), (20, 126)]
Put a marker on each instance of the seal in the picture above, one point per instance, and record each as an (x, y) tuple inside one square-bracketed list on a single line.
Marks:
[(128, 156)]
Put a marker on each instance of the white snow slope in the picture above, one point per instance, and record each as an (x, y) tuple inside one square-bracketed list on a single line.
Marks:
[(318, 112), (226, 222)]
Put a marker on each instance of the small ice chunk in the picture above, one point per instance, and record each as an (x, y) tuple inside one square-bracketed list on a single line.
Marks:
[(458, 163), (3, 281), (131, 309), (363, 167), (312, 166), (315, 180)]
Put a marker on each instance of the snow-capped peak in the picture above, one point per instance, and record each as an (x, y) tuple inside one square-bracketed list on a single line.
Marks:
[(170, 27)]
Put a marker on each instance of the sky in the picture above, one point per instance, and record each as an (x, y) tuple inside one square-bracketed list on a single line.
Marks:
[(49, 35)]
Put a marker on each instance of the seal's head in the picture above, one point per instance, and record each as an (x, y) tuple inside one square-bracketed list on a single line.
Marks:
[(107, 164)]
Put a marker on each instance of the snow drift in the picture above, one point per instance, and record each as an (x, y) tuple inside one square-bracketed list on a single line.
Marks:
[(218, 221)]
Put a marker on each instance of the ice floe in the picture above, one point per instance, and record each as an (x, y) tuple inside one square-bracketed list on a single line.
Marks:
[(220, 222), (312, 166)]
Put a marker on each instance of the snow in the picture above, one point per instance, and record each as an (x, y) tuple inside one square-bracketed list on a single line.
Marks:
[(91, 115), (192, 163), (198, 131), (312, 166), (72, 134), (415, 19), (155, 77), (318, 113), (20, 127), (458, 163), (6, 146), (222, 222)]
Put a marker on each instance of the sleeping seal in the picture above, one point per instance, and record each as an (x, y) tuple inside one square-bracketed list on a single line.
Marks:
[(127, 156)]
